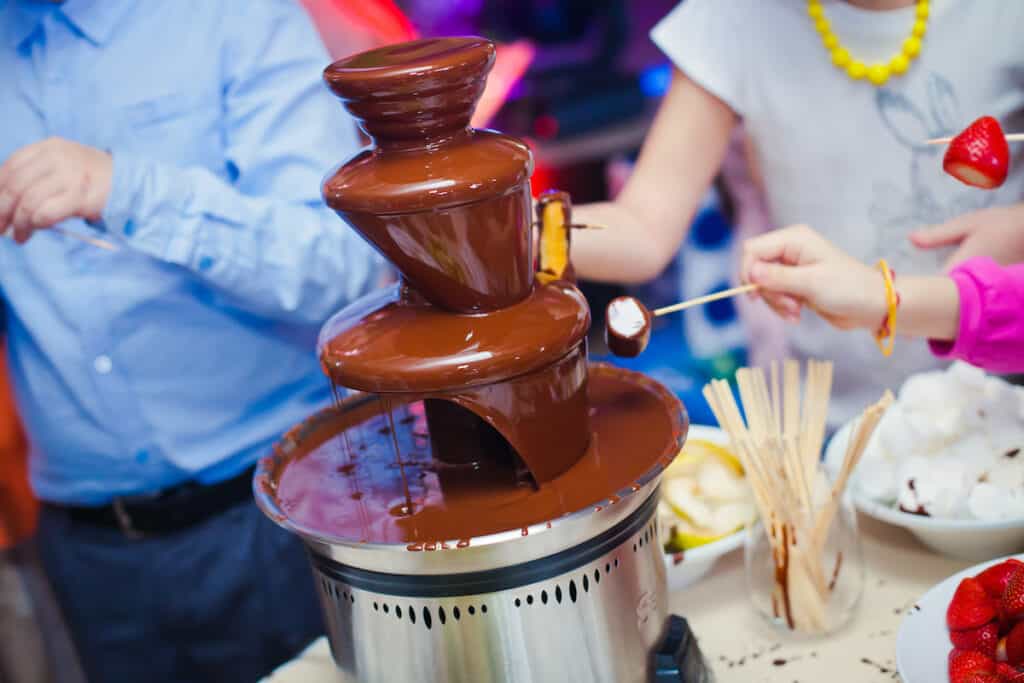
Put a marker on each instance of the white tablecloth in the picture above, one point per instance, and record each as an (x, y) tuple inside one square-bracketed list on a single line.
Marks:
[(742, 648)]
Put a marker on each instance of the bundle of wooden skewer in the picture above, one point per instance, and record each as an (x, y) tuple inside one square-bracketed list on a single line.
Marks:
[(779, 445)]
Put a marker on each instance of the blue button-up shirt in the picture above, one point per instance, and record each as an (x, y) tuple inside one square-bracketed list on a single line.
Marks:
[(188, 351)]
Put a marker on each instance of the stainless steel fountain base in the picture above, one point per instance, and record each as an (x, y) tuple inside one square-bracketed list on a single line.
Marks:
[(590, 613)]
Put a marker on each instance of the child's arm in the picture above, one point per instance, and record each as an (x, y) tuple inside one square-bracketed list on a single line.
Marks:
[(975, 314), (798, 267), (991, 330), (647, 222)]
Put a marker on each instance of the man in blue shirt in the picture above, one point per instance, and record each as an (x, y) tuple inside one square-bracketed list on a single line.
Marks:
[(192, 135)]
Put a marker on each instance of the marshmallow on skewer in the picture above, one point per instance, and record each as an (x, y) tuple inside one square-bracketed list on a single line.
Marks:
[(627, 327)]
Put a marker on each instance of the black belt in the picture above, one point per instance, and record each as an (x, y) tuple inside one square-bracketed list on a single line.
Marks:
[(168, 511)]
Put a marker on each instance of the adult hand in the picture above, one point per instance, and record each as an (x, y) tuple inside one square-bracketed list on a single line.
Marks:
[(997, 232), (796, 267), (47, 182)]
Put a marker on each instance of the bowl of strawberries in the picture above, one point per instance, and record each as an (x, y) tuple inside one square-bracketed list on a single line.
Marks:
[(977, 616)]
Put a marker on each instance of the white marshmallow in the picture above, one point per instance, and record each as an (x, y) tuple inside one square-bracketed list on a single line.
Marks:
[(988, 502), (626, 317), (876, 479), (948, 434)]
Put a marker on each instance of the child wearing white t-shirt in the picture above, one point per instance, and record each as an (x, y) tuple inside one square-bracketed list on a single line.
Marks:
[(842, 154)]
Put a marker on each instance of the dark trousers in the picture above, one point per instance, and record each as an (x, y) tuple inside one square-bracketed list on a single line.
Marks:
[(227, 600)]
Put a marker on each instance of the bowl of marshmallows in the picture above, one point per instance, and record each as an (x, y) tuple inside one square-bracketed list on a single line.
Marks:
[(947, 463)]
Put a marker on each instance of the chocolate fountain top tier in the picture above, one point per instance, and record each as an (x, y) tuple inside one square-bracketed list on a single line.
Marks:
[(419, 97), (411, 91)]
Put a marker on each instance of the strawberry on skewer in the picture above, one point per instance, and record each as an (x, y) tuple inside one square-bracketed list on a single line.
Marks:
[(979, 156)]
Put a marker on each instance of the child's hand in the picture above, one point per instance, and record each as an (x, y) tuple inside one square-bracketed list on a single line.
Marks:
[(996, 232), (797, 267)]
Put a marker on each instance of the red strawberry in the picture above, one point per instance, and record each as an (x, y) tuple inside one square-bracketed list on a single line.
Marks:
[(995, 578), (1011, 648), (970, 607), (979, 155), (1009, 674), (1011, 605), (983, 639), (965, 663), (978, 678)]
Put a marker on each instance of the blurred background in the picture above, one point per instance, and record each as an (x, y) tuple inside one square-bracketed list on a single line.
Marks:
[(580, 80)]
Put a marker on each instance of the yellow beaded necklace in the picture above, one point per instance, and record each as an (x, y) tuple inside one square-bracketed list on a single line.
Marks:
[(879, 73)]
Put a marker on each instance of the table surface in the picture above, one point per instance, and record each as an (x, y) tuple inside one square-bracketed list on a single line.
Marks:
[(742, 647)]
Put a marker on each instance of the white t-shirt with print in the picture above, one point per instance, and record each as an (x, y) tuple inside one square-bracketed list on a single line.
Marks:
[(846, 157)]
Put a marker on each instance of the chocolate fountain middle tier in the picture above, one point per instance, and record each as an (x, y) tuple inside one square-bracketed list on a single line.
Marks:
[(520, 370)]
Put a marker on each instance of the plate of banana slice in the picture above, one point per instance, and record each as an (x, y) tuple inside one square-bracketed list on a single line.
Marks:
[(706, 505)]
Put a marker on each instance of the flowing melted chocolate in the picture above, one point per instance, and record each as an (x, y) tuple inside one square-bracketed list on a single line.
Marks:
[(340, 476), (486, 418)]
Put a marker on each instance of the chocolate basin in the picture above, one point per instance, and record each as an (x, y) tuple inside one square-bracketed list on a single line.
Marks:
[(581, 597)]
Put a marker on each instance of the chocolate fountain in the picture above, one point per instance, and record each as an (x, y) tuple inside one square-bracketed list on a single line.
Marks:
[(482, 508)]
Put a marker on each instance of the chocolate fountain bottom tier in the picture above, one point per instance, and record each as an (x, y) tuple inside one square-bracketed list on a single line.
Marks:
[(360, 480)]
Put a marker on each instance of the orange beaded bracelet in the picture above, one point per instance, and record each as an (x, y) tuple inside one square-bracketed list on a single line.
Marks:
[(885, 336)]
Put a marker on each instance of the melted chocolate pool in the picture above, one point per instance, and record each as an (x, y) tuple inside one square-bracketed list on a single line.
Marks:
[(340, 477)]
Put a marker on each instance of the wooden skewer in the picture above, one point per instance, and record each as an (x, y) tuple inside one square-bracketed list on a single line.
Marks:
[(854, 450), (579, 226), (1010, 137), (700, 300), (102, 244), (778, 438)]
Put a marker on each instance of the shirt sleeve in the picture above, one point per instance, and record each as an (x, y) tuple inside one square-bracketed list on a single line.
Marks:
[(991, 330), (703, 39), (261, 234)]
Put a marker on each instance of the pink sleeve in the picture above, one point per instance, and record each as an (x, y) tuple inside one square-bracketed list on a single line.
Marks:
[(991, 334)]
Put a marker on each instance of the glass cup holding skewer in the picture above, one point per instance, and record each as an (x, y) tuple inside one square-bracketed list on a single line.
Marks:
[(803, 559)]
